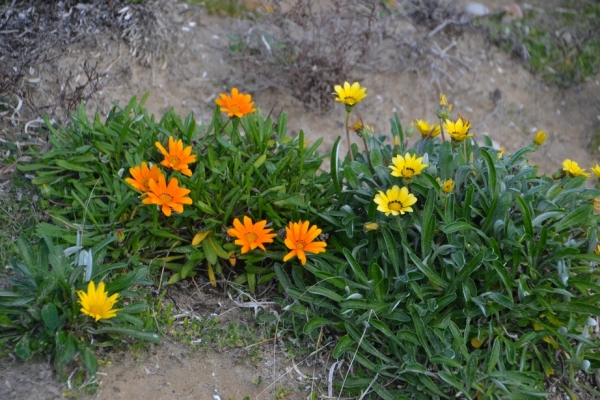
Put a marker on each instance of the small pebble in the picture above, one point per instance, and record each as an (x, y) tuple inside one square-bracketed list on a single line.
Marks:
[(185, 29), (192, 24), (476, 9), (215, 37)]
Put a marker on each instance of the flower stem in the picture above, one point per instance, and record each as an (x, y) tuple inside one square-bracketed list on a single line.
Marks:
[(223, 127), (364, 137), (442, 130), (348, 135)]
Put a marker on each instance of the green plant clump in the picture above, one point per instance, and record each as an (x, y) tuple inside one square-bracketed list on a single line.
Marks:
[(450, 269), (41, 314), (562, 44)]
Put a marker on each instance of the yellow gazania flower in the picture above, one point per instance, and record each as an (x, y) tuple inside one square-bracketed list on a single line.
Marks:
[(425, 128), (141, 175), (249, 235), (596, 170), (350, 95), (177, 158), (299, 239), (573, 169), (597, 248), (96, 302), (444, 102), (395, 201), (407, 166), (540, 138), (448, 186), (458, 130), (169, 197), (236, 105), (501, 152)]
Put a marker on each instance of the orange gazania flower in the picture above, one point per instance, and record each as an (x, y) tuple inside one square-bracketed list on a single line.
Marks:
[(249, 235), (299, 239), (177, 158), (170, 197), (141, 176), (237, 105)]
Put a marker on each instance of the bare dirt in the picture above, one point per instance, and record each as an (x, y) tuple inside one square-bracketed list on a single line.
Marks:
[(187, 69)]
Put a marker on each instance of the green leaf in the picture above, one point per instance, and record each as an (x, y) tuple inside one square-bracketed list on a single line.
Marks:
[(315, 323), (526, 216), (428, 224), (136, 276), (494, 356), (577, 307), (351, 177), (209, 252), (429, 272), (383, 328), (465, 272), (356, 268), (446, 161), (50, 316), (461, 226), (359, 337), (449, 378), (216, 246), (574, 218), (344, 344), (47, 286), (128, 331), (89, 361), (23, 348), (165, 234), (492, 180), (330, 294), (376, 275), (392, 249), (27, 254), (335, 166), (446, 361), (501, 299), (72, 167), (67, 351)]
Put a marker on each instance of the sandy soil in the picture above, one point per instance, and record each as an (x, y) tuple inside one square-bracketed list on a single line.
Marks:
[(497, 93)]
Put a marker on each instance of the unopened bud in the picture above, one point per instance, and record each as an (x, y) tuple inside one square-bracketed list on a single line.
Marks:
[(371, 226), (410, 130)]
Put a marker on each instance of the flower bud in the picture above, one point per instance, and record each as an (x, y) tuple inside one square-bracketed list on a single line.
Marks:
[(540, 138), (371, 226), (410, 130)]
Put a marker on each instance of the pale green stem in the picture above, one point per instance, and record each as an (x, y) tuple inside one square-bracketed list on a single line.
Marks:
[(348, 135)]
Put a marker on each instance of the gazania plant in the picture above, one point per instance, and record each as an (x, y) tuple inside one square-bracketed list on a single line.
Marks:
[(455, 270), (60, 306), (447, 269)]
